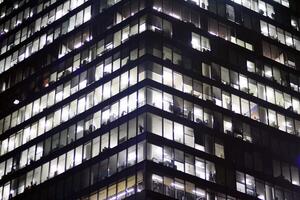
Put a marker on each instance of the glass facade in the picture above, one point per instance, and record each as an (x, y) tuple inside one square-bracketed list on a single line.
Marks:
[(150, 99)]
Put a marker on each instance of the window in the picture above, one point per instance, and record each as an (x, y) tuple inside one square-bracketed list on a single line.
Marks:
[(155, 124), (219, 150), (230, 12), (178, 133), (154, 153), (245, 183), (113, 137), (200, 168), (199, 42), (168, 129), (195, 41), (157, 183), (240, 182), (131, 156)]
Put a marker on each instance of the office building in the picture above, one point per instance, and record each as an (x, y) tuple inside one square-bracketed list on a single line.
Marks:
[(150, 99)]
